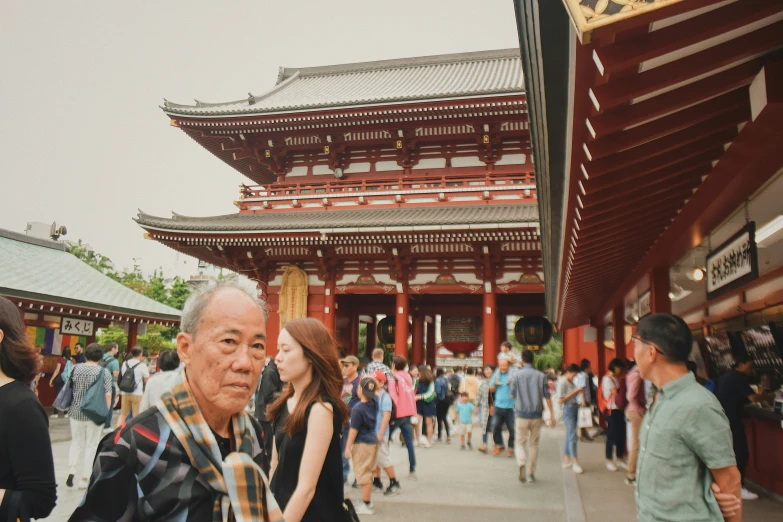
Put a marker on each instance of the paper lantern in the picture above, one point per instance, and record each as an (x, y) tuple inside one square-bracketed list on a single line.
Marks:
[(533, 331), (386, 328), (460, 334)]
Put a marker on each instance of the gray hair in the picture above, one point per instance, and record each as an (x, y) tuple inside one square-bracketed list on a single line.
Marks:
[(197, 302)]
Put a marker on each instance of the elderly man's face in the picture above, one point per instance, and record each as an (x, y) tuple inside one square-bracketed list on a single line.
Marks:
[(226, 355), (503, 365)]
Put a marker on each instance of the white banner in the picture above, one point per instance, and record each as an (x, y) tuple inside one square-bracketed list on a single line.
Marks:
[(75, 326)]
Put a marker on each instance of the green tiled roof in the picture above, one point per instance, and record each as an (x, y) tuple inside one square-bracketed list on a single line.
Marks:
[(42, 270)]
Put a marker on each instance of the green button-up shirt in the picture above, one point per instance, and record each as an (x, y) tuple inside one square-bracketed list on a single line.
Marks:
[(684, 434)]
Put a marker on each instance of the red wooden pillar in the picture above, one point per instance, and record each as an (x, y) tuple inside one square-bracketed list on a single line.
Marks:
[(571, 352), (660, 286), (618, 324), (417, 353), (401, 324), (489, 327), (431, 348), (133, 330), (330, 313)]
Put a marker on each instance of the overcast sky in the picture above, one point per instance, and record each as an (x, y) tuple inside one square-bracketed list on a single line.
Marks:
[(83, 141)]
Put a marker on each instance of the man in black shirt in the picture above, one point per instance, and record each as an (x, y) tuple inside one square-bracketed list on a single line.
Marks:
[(734, 392), (79, 351)]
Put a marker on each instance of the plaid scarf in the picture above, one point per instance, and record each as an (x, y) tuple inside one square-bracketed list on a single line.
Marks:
[(242, 489)]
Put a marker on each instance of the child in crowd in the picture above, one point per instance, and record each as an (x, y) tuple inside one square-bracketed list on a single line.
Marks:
[(362, 442), (465, 416)]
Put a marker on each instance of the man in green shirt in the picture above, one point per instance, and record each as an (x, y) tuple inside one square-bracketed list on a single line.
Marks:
[(685, 442)]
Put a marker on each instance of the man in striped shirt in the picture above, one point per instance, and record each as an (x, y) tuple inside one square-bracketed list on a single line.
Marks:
[(377, 364)]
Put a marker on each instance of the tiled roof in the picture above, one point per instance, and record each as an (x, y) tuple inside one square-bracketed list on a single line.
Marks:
[(43, 271), (408, 79), (348, 219)]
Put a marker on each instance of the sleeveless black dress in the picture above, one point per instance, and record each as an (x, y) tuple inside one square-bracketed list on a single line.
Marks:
[(327, 503)]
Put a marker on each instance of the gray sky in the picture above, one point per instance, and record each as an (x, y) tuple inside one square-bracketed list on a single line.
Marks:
[(83, 141)]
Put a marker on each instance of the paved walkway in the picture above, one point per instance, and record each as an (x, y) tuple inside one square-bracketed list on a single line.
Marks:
[(466, 486)]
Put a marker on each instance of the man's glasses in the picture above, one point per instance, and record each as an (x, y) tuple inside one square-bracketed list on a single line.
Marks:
[(635, 337)]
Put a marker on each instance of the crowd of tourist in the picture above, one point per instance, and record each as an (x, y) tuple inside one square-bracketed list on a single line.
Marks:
[(191, 421)]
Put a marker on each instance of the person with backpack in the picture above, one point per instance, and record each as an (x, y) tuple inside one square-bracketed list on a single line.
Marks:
[(111, 364), (612, 406), (133, 374), (445, 398), (62, 372)]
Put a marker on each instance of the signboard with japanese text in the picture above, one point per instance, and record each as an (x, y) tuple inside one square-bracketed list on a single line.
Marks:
[(76, 326), (645, 306), (734, 263)]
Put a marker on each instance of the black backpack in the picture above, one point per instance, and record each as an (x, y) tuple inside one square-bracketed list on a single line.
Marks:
[(454, 383), (127, 382)]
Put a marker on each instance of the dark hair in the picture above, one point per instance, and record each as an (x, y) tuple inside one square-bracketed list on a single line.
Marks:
[(66, 353), (18, 357), (78, 344), (527, 357), (321, 350), (439, 372), (136, 351), (109, 347), (168, 360), (692, 367), (615, 364), (585, 364), (399, 362), (670, 333), (630, 365), (464, 394), (94, 352), (490, 366), (470, 370), (507, 344), (742, 358), (573, 368), (425, 375)]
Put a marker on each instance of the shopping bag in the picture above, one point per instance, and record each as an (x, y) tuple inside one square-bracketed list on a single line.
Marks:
[(94, 405), (65, 397), (585, 418), (350, 511)]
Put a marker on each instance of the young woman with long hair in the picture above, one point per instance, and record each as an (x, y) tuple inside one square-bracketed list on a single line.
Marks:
[(402, 393), (27, 487), (425, 403), (308, 418)]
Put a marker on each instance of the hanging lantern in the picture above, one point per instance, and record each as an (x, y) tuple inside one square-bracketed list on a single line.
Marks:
[(386, 328), (460, 334), (533, 331)]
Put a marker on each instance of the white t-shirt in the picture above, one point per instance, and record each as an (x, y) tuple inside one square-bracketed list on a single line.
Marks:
[(607, 385), (140, 371)]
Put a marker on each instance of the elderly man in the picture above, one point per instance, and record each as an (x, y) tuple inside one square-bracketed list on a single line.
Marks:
[(685, 441), (195, 455)]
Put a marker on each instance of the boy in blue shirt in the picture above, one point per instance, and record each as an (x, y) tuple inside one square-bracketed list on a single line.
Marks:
[(382, 458), (362, 442), (465, 416)]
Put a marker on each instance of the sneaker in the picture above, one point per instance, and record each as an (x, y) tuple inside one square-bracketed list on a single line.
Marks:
[(108, 430), (392, 490), (577, 468), (510, 453), (462, 448), (482, 449), (522, 474), (630, 481), (355, 485), (748, 495), (377, 485), (363, 509), (83, 483), (412, 476), (470, 446), (66, 415), (567, 465), (610, 466), (497, 451), (55, 416), (531, 479), (69, 482), (448, 440), (622, 465)]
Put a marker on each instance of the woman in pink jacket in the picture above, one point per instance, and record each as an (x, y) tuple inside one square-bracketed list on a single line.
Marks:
[(402, 393)]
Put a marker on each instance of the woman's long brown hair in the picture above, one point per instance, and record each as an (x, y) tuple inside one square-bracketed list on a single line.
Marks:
[(321, 350), (425, 375), (18, 357)]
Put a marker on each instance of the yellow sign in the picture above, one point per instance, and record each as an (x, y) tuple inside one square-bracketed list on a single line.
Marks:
[(267, 153), (588, 15)]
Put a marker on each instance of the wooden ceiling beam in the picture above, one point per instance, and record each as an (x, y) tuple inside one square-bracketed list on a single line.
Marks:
[(614, 94), (624, 229), (636, 186), (594, 252), (639, 135), (621, 55), (638, 205), (686, 160), (705, 135)]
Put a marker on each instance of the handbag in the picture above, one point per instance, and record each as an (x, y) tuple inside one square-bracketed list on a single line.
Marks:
[(65, 397), (350, 511), (585, 418), (94, 405)]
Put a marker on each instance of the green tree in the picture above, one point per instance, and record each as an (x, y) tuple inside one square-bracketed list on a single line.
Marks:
[(115, 334), (96, 260), (156, 288), (154, 340), (178, 294), (362, 340)]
